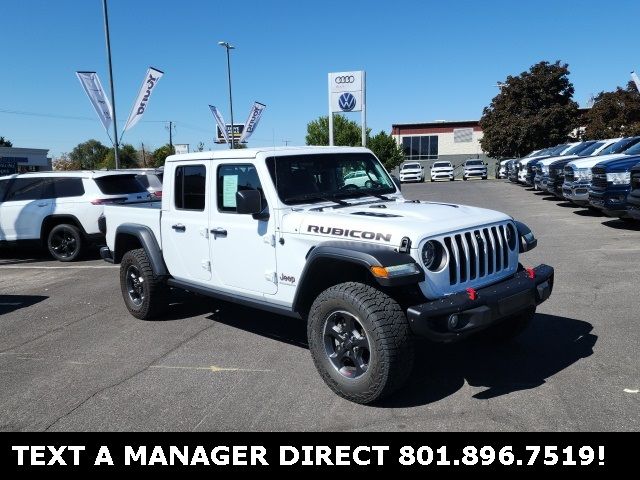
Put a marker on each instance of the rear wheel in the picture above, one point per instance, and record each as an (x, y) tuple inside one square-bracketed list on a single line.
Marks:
[(360, 342), (65, 242), (145, 295)]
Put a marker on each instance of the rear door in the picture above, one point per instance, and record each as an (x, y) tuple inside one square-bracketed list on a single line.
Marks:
[(185, 223), (23, 209)]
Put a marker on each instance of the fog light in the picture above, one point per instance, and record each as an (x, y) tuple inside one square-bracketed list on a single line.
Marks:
[(453, 321)]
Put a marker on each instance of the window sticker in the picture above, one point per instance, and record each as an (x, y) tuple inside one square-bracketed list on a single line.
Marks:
[(229, 189)]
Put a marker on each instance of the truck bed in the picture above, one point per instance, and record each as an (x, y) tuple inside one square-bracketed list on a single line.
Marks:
[(144, 213)]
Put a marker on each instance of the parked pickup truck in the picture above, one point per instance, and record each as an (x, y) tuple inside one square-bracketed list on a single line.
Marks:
[(282, 230), (577, 173), (633, 200), (610, 185)]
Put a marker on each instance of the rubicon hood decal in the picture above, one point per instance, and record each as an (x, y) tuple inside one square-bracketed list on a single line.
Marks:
[(342, 232)]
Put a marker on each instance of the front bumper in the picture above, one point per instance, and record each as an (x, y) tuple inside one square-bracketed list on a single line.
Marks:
[(492, 305), (411, 177), (612, 203), (633, 202), (576, 192)]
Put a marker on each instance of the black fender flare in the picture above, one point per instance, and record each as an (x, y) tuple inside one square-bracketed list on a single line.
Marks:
[(526, 239), (148, 242), (360, 254)]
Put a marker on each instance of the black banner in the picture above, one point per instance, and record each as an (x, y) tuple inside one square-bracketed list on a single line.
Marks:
[(291, 452)]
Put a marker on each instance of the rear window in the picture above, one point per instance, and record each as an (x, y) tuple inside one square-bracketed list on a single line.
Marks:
[(119, 185), (149, 180)]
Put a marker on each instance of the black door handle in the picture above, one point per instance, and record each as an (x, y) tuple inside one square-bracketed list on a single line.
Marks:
[(178, 227), (218, 232)]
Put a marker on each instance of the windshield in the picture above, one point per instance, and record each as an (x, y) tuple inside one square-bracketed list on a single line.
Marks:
[(441, 165), (308, 178), (577, 149), (634, 150), (555, 151), (471, 163), (590, 149), (408, 166)]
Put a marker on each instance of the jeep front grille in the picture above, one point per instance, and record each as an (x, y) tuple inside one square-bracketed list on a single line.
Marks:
[(476, 254), (599, 178)]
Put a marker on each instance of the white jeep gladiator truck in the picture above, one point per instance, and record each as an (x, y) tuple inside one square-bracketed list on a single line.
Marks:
[(284, 230)]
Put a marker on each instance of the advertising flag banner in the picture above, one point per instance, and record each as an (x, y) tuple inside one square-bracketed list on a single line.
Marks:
[(221, 125), (93, 88), (252, 122), (140, 105), (636, 80)]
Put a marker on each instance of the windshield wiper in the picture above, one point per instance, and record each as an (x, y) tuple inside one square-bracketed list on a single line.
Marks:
[(315, 196)]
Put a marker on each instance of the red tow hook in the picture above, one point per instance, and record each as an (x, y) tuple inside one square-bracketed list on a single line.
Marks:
[(472, 293), (531, 272)]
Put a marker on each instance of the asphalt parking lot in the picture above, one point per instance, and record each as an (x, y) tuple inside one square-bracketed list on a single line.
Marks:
[(72, 358)]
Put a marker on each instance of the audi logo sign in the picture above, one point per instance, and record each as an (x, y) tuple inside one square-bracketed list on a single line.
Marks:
[(344, 79)]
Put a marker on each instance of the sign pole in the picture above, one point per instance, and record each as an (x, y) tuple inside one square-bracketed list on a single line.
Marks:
[(113, 95), (330, 115), (364, 109)]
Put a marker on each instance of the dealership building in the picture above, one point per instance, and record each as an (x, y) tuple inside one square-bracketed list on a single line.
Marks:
[(454, 141), (21, 160)]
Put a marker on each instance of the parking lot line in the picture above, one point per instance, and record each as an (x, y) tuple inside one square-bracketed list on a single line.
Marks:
[(211, 368)]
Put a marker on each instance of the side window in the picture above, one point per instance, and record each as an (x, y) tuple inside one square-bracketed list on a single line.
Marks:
[(63, 187), (22, 189), (190, 187), (231, 179)]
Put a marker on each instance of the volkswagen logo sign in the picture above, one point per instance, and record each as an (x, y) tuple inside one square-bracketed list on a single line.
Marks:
[(347, 102)]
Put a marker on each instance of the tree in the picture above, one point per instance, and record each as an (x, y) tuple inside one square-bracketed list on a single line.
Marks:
[(127, 155), (345, 132), (5, 143), (161, 154), (88, 155), (614, 114), (532, 111), (386, 149), (63, 162)]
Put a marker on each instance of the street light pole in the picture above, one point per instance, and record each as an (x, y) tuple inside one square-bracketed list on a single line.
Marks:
[(113, 95), (228, 47)]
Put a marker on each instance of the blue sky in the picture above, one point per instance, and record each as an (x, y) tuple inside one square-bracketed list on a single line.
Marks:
[(425, 60)]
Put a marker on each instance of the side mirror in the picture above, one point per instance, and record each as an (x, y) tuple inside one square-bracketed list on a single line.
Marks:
[(397, 181), (248, 202)]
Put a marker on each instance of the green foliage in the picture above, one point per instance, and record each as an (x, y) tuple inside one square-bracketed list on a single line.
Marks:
[(386, 149), (88, 155), (532, 111), (5, 143), (345, 132), (161, 154), (614, 114), (127, 154)]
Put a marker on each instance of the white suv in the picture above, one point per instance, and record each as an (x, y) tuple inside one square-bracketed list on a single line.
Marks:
[(412, 172), (61, 209), (442, 171)]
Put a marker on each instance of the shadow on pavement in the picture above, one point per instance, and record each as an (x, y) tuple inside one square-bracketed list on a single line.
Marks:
[(623, 224), (568, 205), (11, 303), (548, 346), (589, 212), (12, 255), (551, 344)]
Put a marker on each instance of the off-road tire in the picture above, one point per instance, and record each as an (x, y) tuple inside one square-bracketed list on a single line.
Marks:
[(155, 298), (511, 327), (388, 334), (73, 246)]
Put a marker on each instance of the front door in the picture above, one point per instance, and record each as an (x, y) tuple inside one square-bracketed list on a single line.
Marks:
[(185, 234), (243, 253)]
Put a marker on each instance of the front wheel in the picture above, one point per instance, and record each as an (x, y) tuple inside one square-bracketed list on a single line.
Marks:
[(464, 178), (145, 295), (65, 242), (360, 342)]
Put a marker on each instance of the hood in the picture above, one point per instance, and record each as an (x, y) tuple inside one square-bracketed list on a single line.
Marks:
[(561, 162), (387, 223), (590, 162), (438, 169), (550, 160), (621, 164)]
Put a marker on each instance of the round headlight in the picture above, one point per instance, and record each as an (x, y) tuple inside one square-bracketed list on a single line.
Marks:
[(433, 256)]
